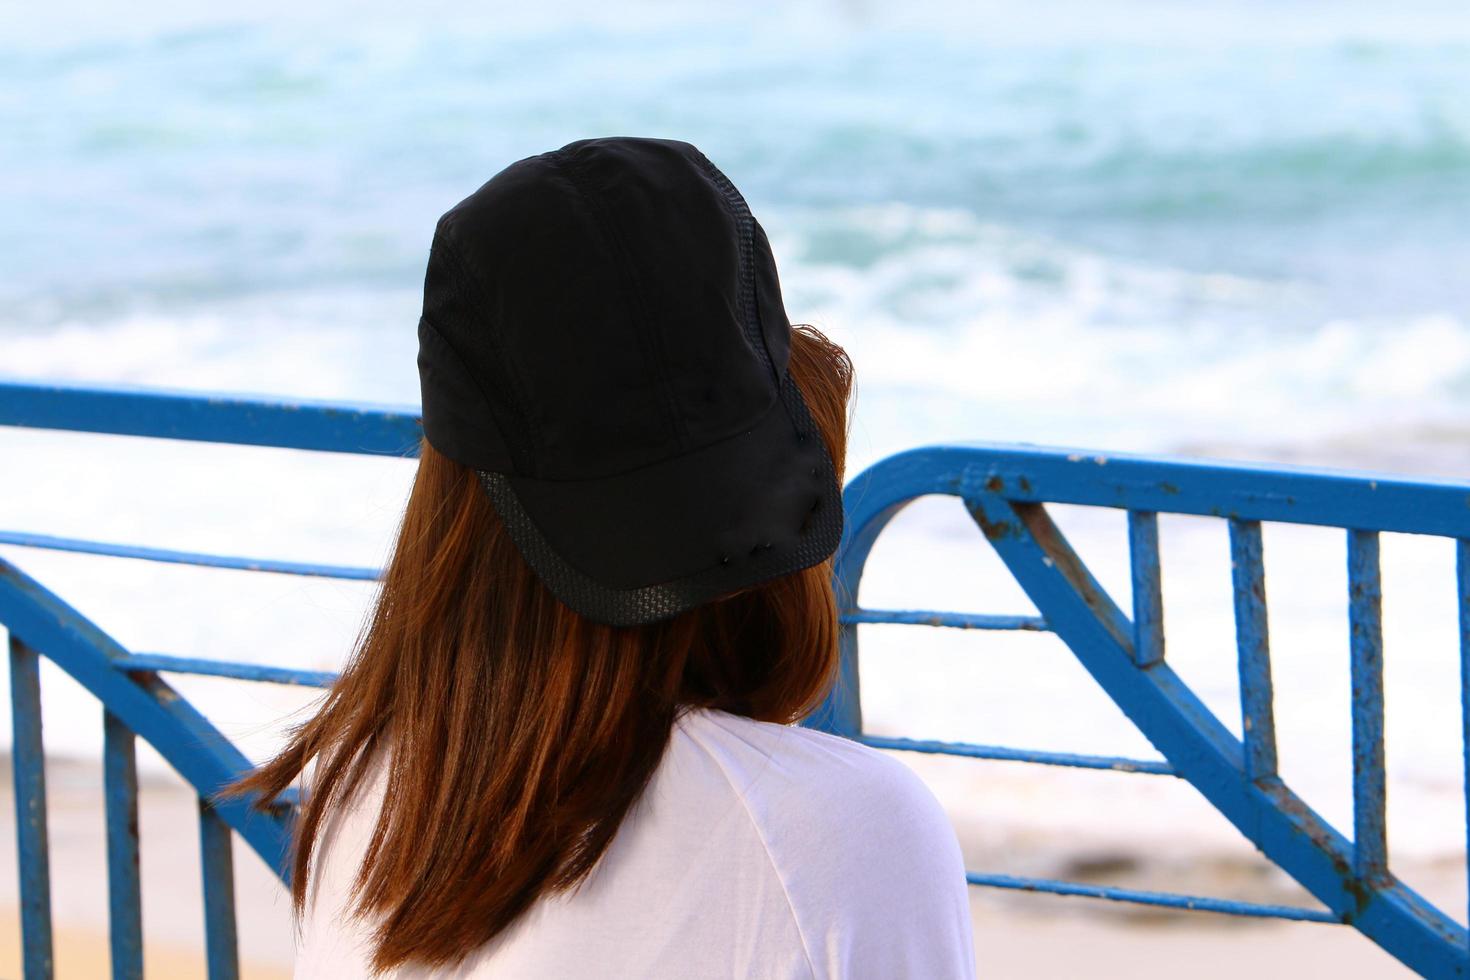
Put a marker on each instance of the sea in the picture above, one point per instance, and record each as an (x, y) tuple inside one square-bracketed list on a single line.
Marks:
[(1224, 229)]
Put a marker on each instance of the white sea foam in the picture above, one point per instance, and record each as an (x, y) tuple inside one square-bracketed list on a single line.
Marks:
[(1024, 367), (1164, 231)]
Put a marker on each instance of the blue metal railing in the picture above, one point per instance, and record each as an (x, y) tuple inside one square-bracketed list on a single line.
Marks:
[(1004, 487)]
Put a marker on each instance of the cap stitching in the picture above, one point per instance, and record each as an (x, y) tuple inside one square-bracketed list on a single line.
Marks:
[(504, 365), (465, 365), (740, 211), (776, 404), (815, 541), (648, 339)]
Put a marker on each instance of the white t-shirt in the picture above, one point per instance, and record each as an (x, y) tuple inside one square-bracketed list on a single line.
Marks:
[(757, 851)]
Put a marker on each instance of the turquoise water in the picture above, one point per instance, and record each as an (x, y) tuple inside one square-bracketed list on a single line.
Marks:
[(1232, 228), (1128, 225)]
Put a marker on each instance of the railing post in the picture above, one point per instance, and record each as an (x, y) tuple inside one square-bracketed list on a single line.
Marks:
[(1462, 580), (29, 761), (1148, 595), (222, 951), (124, 892), (1252, 640), (1370, 831), (841, 711)]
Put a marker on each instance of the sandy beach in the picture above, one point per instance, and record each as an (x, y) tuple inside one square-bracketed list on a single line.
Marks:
[(1008, 944), (173, 916), (1016, 935)]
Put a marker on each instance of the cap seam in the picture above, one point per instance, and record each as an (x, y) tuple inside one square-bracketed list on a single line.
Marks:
[(517, 401), (776, 403), (633, 292), (739, 209), (660, 600), (459, 356)]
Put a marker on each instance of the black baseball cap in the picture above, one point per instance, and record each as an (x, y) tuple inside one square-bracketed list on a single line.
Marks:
[(603, 340)]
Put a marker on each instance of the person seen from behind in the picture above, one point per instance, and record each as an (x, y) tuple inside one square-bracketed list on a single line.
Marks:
[(566, 744)]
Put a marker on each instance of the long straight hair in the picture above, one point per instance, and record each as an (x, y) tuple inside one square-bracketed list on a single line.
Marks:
[(515, 733)]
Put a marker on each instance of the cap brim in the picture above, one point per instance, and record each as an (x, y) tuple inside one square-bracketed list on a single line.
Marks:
[(648, 544)]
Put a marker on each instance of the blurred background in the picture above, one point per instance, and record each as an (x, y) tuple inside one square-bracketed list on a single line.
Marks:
[(1230, 228)]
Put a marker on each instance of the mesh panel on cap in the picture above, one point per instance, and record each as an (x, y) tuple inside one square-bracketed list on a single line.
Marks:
[(735, 201)]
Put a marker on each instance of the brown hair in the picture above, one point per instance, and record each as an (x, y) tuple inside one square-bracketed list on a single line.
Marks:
[(517, 732)]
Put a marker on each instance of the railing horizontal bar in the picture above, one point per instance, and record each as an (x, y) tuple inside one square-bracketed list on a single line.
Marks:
[(1179, 485), (1195, 903), (224, 668), (1057, 474), (924, 617), (1007, 754), (248, 420), (49, 542)]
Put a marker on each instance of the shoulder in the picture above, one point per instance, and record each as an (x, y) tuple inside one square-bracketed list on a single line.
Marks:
[(816, 780), (864, 851)]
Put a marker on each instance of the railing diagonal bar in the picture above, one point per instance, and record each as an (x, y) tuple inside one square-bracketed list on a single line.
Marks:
[(144, 702), (1276, 820)]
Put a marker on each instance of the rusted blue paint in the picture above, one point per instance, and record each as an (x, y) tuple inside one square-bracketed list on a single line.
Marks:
[(1168, 900), (1207, 487), (1002, 752), (124, 888), (156, 662), (221, 946), (1029, 525), (1172, 717), (32, 839), (52, 543), (841, 712), (247, 420), (964, 621), (1148, 592), (1365, 628), (145, 703), (1253, 649), (1197, 746), (1006, 488)]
